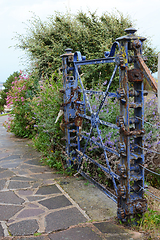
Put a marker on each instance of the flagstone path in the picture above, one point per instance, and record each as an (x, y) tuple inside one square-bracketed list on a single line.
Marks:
[(34, 206)]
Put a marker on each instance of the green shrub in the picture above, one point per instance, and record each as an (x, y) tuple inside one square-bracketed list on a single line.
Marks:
[(88, 33), (21, 122), (45, 109), (7, 85)]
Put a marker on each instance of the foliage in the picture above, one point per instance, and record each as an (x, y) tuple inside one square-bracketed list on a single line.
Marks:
[(152, 139), (151, 61), (22, 90), (7, 85), (34, 108), (87, 33), (152, 57), (37, 234), (45, 108), (151, 119), (147, 223), (150, 222)]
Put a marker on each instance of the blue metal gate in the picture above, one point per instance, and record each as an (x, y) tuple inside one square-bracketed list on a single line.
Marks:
[(79, 114)]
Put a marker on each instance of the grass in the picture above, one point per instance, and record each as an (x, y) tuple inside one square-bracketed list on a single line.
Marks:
[(149, 224)]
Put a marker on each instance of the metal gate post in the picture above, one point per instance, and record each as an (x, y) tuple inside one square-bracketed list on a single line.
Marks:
[(69, 96), (131, 202)]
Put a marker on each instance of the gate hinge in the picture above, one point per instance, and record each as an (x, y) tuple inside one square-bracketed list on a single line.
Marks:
[(135, 75)]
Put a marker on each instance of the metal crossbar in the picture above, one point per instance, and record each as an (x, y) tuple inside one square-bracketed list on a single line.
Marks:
[(151, 194), (146, 149), (149, 170), (148, 122)]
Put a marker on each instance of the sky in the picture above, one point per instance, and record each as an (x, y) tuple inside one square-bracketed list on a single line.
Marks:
[(14, 15)]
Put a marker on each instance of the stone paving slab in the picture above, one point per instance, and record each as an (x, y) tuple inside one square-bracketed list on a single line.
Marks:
[(8, 211), (19, 185), (50, 189), (25, 167), (3, 154), (12, 157), (30, 213), (37, 183), (107, 227), (17, 178), (56, 202), (25, 192), (10, 197), (63, 219), (20, 171), (28, 227), (33, 162), (10, 164), (5, 174), (3, 169), (76, 233), (31, 155), (38, 169), (2, 183), (45, 175)]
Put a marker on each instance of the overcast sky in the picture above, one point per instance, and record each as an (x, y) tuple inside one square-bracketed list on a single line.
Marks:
[(14, 13)]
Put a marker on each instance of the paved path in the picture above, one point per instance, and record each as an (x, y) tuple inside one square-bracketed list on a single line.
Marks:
[(34, 206)]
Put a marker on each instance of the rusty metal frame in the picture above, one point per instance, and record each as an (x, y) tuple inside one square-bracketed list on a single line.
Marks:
[(129, 194)]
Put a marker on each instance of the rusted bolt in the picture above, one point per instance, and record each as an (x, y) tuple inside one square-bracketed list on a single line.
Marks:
[(136, 75), (137, 44), (138, 207)]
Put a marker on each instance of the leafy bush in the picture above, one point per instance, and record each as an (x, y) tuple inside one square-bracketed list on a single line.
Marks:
[(150, 223), (7, 85), (22, 90), (152, 140), (45, 109), (88, 33), (34, 108)]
